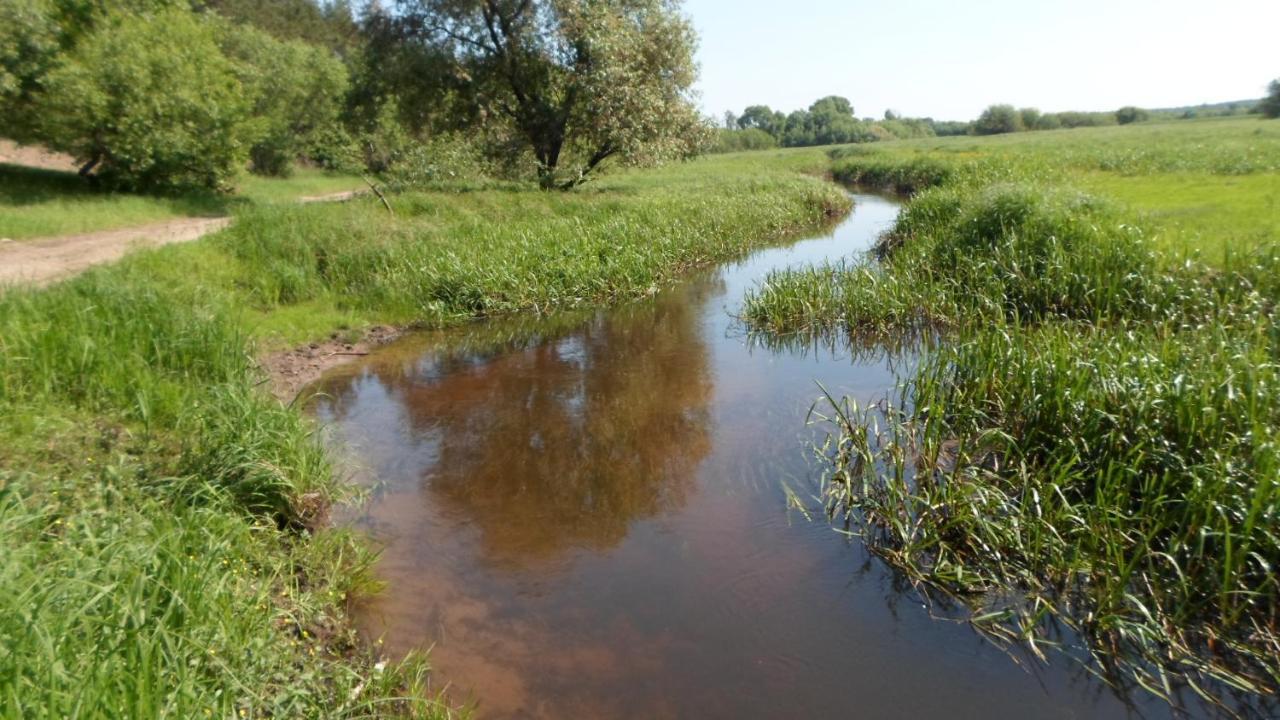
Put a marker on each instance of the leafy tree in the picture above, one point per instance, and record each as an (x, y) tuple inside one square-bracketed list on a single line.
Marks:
[(832, 105), (1029, 117), (297, 91), (1130, 114), (584, 80), (330, 25), (1048, 121), (150, 101), (798, 131), (831, 121), (763, 118), (30, 40), (998, 119), (1270, 105)]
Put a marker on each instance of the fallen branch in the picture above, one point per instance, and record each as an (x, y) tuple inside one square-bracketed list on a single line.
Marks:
[(378, 192)]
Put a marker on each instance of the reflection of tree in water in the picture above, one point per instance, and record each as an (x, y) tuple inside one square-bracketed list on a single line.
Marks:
[(565, 443)]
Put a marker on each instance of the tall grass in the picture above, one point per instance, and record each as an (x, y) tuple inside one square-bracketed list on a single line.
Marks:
[(161, 515), (1098, 438)]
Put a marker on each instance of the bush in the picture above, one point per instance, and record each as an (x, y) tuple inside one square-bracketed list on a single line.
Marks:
[(1130, 114), (297, 92), (448, 159), (997, 120), (151, 102), (29, 42), (751, 138)]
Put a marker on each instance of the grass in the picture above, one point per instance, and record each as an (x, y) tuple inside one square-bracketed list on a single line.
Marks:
[(160, 512), (1098, 439), (1209, 186), (42, 203)]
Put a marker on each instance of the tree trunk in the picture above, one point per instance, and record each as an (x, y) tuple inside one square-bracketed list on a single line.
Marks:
[(88, 167)]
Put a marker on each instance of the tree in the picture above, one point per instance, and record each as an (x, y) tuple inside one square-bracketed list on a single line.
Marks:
[(763, 118), (330, 25), (1270, 105), (297, 92), (730, 120), (583, 80), (832, 121), (1029, 117), (998, 119), (1130, 114), (30, 40), (150, 101), (832, 105)]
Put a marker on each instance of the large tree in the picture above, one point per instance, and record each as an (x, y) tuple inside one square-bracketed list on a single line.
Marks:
[(579, 81)]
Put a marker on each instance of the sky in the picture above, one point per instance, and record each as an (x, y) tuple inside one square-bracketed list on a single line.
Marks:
[(949, 60)]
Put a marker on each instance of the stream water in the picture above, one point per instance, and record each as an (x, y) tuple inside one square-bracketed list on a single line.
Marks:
[(594, 516)]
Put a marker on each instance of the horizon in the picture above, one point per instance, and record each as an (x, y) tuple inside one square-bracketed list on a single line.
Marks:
[(959, 61)]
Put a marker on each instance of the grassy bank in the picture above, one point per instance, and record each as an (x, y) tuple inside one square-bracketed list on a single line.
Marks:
[(1205, 188), (39, 203), (1098, 439), (158, 508)]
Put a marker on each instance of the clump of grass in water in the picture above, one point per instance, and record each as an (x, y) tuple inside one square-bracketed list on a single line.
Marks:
[(1100, 436), (1127, 481)]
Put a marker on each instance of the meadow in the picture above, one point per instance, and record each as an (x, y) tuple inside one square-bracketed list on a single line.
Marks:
[(162, 513), (1097, 439)]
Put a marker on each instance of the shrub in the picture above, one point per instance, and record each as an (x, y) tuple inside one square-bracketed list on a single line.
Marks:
[(751, 138), (997, 120), (28, 47), (447, 159), (1130, 114), (151, 102), (297, 92)]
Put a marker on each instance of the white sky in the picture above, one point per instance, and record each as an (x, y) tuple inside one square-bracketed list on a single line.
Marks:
[(949, 60)]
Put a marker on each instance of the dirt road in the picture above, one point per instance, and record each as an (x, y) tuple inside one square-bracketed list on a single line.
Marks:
[(40, 261)]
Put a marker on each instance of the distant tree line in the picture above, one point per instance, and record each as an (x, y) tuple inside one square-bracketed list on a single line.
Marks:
[(828, 121), (177, 94), (831, 121)]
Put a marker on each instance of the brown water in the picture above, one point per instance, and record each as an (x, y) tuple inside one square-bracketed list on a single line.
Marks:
[(588, 517)]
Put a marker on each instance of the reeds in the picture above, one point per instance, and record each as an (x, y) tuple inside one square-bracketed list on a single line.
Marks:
[(1097, 440)]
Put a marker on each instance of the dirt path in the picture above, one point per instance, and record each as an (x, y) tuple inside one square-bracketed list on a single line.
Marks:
[(40, 261)]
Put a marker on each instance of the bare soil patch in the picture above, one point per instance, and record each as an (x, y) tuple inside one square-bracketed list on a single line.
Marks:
[(36, 157), (290, 371)]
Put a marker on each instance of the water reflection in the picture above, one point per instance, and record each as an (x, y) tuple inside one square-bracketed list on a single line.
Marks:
[(587, 516), (566, 443)]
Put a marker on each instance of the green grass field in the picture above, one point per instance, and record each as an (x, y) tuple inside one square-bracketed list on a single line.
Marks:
[(1098, 435), (1209, 186), (158, 506), (41, 203)]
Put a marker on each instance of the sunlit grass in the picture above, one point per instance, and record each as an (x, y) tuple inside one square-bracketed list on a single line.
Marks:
[(159, 509), (42, 203), (1096, 440)]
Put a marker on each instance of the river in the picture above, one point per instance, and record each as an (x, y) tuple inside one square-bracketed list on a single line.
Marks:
[(596, 515)]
